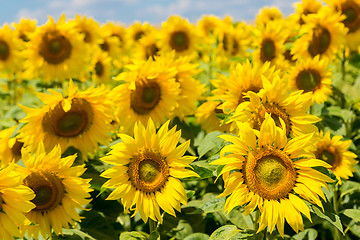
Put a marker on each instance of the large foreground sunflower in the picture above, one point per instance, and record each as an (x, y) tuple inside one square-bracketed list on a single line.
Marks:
[(14, 202), (335, 152), (146, 171), (273, 174), (80, 119), (59, 191)]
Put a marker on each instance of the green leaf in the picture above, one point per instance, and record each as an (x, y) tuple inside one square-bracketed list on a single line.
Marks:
[(241, 220), (209, 142), (203, 168), (328, 214), (197, 236), (345, 114), (224, 233), (353, 214), (189, 193), (307, 234), (73, 234), (133, 236), (214, 205), (154, 236)]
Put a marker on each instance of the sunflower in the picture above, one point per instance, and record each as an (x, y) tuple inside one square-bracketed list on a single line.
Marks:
[(322, 34), (233, 42), (148, 47), (15, 201), (146, 171), (273, 174), (270, 41), (24, 28), (150, 90), (208, 24), (306, 7), (190, 88), (111, 45), (10, 47), (59, 191), (268, 14), (243, 78), (101, 68), (312, 75), (89, 28), (351, 10), (137, 30), (80, 119), (56, 52), (206, 116), (288, 110), (121, 53), (10, 146), (179, 35), (335, 152)]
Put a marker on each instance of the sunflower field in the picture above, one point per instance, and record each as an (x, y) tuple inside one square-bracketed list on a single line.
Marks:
[(210, 130)]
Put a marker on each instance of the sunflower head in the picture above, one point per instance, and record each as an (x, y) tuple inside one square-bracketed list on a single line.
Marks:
[(264, 169), (59, 191), (312, 75), (336, 153), (146, 171), (80, 119), (10, 146), (56, 52), (268, 14), (178, 35)]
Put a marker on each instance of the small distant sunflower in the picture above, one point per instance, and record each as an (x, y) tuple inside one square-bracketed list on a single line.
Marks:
[(233, 41), (306, 7), (322, 34), (268, 14), (190, 88), (56, 52), (270, 40), (148, 47), (146, 171), (288, 110), (59, 191), (335, 152), (243, 78), (273, 174), (10, 46), (10, 146), (312, 75), (15, 201), (207, 118), (179, 35), (80, 119), (149, 91), (137, 30), (89, 28), (111, 45), (101, 68), (208, 24), (25, 28), (351, 10)]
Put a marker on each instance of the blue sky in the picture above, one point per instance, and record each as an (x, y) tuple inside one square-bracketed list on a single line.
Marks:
[(128, 11)]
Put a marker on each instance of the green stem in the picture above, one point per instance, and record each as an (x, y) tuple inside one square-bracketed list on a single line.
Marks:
[(336, 209), (265, 234), (256, 224), (152, 225), (343, 70)]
